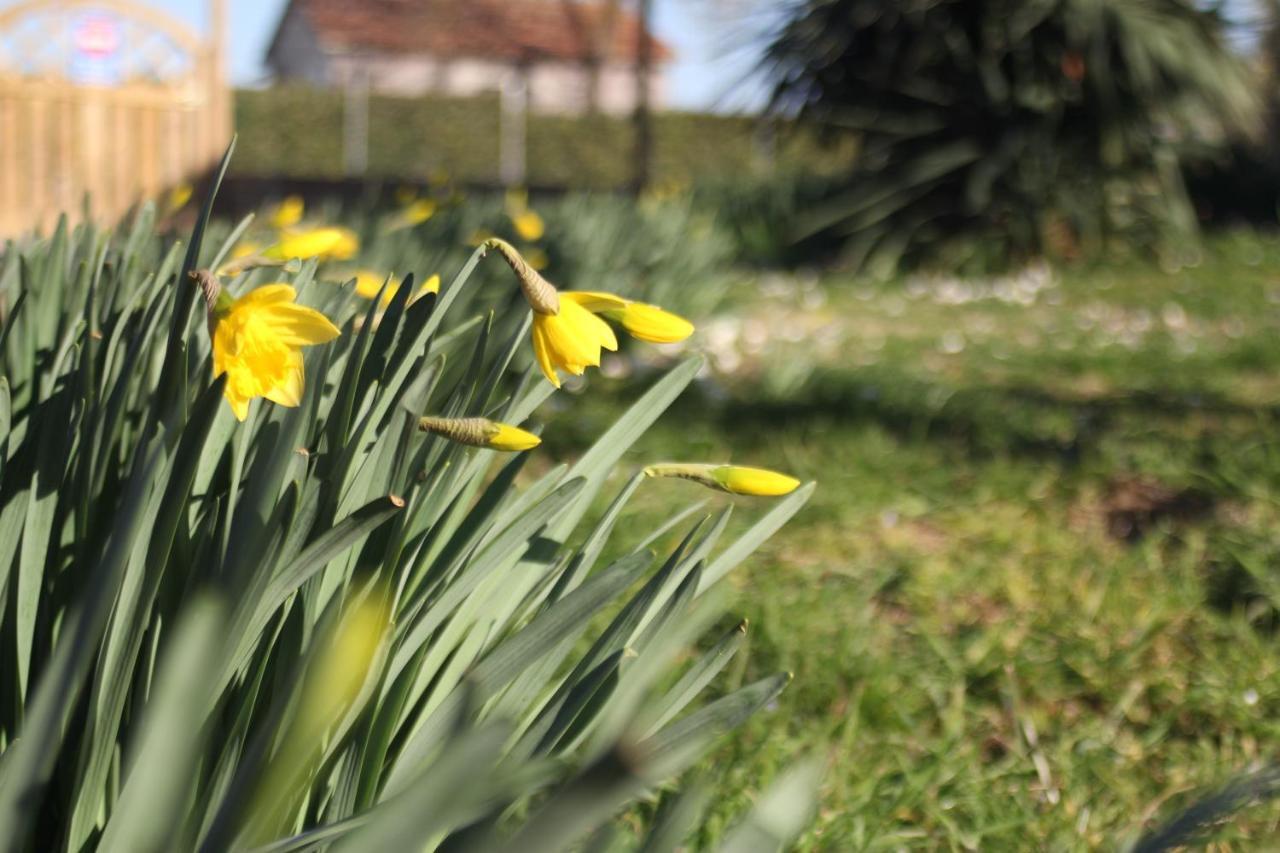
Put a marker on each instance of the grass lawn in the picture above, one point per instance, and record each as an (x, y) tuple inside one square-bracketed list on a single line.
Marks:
[(1034, 602)]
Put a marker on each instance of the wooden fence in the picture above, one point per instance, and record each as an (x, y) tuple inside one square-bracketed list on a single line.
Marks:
[(103, 103)]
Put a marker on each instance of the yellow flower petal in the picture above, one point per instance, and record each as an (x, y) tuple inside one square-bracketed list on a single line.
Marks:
[(645, 322), (298, 326), (289, 392), (650, 323), (596, 303), (419, 211), (239, 406), (244, 250), (542, 352), (327, 243), (179, 196), (287, 213), (529, 226), (267, 294), (369, 283)]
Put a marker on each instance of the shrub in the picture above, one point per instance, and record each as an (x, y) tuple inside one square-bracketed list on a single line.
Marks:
[(1030, 127), (325, 628), (295, 131)]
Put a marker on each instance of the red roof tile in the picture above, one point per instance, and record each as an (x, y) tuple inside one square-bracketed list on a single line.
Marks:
[(516, 30)]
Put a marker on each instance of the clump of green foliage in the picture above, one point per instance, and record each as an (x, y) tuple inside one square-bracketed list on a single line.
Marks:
[(1014, 127), (324, 628)]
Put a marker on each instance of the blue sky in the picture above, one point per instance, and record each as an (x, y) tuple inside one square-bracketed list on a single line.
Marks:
[(707, 74)]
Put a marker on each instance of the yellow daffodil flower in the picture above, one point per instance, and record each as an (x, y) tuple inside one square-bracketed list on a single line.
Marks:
[(287, 213), (246, 249), (529, 226), (734, 479), (481, 432), (567, 334), (328, 243), (178, 197), (344, 662), (368, 283), (416, 213), (258, 341)]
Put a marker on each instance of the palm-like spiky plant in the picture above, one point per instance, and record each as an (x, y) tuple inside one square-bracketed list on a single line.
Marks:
[(1012, 120)]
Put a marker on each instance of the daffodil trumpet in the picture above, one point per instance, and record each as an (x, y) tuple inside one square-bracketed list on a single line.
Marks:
[(258, 341), (568, 333), (734, 479), (481, 432)]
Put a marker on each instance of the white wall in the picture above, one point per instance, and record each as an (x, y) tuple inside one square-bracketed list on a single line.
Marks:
[(559, 87), (554, 87)]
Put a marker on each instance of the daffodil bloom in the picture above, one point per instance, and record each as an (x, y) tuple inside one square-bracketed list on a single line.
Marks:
[(330, 243), (342, 666), (416, 212), (369, 283), (178, 197), (529, 225), (246, 249), (258, 341), (567, 333), (527, 222), (481, 432), (734, 479), (287, 213)]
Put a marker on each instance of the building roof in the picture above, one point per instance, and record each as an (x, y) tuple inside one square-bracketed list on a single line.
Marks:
[(513, 30)]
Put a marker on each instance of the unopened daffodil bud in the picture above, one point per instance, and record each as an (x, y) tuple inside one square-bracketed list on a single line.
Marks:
[(734, 479), (481, 432)]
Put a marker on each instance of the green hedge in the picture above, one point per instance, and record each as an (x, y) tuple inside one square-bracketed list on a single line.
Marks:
[(297, 132)]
